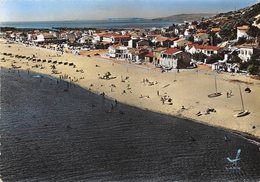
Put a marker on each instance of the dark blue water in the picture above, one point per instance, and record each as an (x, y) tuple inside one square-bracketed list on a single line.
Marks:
[(99, 24), (48, 134)]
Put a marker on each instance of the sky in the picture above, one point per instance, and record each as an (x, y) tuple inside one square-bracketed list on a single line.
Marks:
[(56, 10)]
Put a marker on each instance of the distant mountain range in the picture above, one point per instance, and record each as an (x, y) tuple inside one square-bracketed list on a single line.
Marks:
[(125, 19), (186, 17)]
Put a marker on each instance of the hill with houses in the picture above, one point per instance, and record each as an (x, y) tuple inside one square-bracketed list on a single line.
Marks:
[(225, 42)]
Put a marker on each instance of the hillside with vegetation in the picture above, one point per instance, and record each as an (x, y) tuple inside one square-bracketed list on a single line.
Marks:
[(186, 17), (228, 22)]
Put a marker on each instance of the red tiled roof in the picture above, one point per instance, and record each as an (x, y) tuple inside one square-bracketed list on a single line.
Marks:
[(215, 29), (116, 45), (199, 34), (206, 47), (122, 36), (173, 38), (171, 51), (153, 35), (141, 52), (162, 39), (203, 31), (150, 54), (244, 27)]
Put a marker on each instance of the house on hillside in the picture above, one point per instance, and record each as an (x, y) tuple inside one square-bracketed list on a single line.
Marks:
[(201, 37), (216, 31), (223, 65), (175, 58), (242, 31), (179, 42), (245, 52)]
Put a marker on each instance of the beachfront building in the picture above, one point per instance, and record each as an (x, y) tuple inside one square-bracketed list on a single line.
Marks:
[(175, 58), (223, 65), (45, 37), (71, 37), (118, 51), (149, 57), (86, 40), (242, 31), (157, 55), (207, 50)]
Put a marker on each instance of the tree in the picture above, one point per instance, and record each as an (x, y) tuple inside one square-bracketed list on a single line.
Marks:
[(214, 58), (241, 40), (199, 56), (253, 31)]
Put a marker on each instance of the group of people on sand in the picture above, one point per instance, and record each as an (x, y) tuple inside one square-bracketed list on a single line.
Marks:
[(229, 94)]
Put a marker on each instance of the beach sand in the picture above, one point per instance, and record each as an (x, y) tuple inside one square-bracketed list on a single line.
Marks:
[(146, 87)]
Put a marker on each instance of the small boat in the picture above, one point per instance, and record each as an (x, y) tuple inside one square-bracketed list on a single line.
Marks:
[(243, 112), (216, 94)]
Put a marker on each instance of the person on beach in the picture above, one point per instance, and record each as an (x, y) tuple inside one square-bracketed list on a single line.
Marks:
[(230, 93), (225, 138), (115, 102), (227, 94)]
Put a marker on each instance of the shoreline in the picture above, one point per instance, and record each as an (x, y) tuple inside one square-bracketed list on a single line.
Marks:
[(249, 137), (187, 81)]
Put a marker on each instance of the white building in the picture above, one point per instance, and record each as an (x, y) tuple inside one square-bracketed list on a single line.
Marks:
[(241, 31)]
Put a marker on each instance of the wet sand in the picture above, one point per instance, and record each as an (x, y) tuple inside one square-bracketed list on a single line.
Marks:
[(52, 131), (149, 89)]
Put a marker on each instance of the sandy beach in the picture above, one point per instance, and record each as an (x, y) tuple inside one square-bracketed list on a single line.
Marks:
[(182, 94)]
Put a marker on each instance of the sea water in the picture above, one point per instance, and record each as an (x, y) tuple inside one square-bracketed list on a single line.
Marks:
[(49, 134), (99, 24)]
